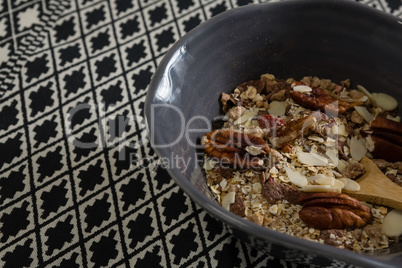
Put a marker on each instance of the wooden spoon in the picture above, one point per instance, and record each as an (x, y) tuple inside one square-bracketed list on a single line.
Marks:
[(376, 188)]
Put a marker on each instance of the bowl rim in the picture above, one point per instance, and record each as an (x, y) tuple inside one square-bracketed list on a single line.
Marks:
[(213, 208)]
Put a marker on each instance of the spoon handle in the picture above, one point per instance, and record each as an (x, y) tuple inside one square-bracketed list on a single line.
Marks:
[(376, 188)]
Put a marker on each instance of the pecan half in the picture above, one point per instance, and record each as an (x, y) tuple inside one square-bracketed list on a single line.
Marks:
[(238, 150), (387, 138), (385, 124), (333, 211), (386, 149), (292, 130), (320, 99)]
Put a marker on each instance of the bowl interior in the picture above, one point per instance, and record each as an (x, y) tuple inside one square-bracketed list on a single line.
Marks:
[(329, 39)]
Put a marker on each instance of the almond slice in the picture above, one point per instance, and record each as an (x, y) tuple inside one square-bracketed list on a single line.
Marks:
[(333, 155), (367, 93), (246, 116), (339, 130), (228, 199), (296, 177), (385, 101), (391, 225), (210, 164), (321, 179), (320, 188), (350, 185), (254, 150), (363, 112), (357, 149), (302, 88), (312, 159), (396, 118), (277, 108), (338, 184)]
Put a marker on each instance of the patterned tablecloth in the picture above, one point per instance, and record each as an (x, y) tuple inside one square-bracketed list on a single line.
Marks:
[(74, 192)]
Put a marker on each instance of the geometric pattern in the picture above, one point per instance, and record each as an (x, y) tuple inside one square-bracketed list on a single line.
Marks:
[(79, 184)]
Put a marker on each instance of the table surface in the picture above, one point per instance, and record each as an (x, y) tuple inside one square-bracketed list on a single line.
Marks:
[(73, 192)]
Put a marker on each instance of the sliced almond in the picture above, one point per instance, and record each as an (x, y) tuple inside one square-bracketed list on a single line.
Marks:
[(210, 164), (330, 142), (361, 99), (341, 130), (391, 225), (333, 155), (396, 118), (277, 108), (302, 88), (350, 185), (363, 112), (296, 177), (254, 150), (228, 199), (246, 116), (316, 138), (342, 164), (367, 93), (321, 179), (320, 188), (344, 181), (370, 144), (312, 159), (385, 101), (357, 149), (338, 184)]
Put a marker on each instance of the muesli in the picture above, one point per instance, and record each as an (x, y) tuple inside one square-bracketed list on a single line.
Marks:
[(288, 149)]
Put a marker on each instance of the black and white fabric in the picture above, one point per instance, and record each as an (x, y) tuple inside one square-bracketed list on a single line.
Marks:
[(79, 184)]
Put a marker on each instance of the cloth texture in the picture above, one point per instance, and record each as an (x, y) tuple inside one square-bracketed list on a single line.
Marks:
[(80, 185)]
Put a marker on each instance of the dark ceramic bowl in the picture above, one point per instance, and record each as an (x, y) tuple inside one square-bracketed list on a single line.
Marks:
[(330, 39)]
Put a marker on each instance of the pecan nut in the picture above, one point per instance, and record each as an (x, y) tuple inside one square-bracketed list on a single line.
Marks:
[(293, 130), (387, 138), (320, 99), (333, 211), (238, 150), (385, 149)]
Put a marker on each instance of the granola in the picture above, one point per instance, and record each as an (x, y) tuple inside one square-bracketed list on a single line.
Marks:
[(285, 141)]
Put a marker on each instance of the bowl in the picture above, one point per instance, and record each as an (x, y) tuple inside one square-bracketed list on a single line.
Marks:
[(332, 39)]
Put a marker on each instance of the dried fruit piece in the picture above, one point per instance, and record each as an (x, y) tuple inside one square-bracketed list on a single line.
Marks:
[(269, 121), (333, 211)]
